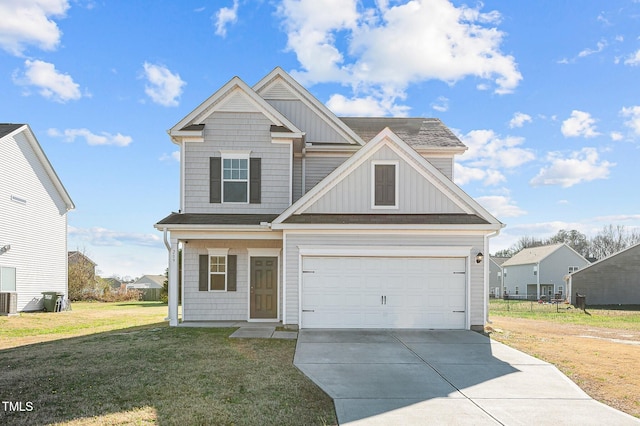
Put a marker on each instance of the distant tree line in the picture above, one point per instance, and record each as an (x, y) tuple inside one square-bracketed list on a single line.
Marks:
[(611, 239)]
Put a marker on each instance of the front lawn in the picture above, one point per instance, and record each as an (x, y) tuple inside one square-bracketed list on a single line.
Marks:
[(120, 364)]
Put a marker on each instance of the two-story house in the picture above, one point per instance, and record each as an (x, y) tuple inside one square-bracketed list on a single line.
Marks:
[(291, 214), (539, 272)]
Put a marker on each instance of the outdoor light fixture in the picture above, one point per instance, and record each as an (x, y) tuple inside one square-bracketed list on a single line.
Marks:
[(5, 249), (479, 257)]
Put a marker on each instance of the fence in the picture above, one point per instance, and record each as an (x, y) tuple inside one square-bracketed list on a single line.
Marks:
[(523, 305)]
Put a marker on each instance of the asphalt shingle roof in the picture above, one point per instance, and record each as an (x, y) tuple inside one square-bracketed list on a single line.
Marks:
[(6, 128), (216, 219), (387, 219)]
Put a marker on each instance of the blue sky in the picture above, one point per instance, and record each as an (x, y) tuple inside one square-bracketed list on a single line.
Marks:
[(546, 95)]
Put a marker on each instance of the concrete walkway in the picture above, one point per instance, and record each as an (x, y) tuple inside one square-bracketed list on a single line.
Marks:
[(416, 377), (246, 330)]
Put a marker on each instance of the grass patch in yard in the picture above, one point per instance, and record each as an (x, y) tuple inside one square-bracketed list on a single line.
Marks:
[(150, 374)]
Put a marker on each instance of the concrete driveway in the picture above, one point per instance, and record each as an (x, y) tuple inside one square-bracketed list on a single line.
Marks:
[(417, 377)]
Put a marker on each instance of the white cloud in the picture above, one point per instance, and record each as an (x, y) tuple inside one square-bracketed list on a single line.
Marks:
[(368, 106), (580, 166), (442, 104), (500, 206), (91, 138), (519, 119), (579, 124), (226, 16), (463, 175), (382, 50), (99, 236), (29, 22), (633, 113), (51, 83), (174, 156), (163, 87), (633, 59), (616, 136), (599, 48)]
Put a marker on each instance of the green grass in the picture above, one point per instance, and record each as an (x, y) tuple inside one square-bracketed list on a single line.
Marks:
[(622, 317), (152, 374)]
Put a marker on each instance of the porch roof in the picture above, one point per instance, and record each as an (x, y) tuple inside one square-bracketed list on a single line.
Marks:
[(388, 219), (216, 219)]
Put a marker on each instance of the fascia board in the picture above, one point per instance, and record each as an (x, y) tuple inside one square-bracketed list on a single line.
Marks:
[(44, 160), (377, 227)]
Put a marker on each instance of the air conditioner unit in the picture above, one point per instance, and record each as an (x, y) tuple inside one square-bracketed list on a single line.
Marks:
[(8, 303)]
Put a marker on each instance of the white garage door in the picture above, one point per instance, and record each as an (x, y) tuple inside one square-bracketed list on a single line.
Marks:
[(379, 292)]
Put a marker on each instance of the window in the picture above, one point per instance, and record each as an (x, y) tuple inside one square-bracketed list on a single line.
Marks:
[(218, 273), (385, 184), (535, 269), (235, 178), (7, 279), (573, 268), (517, 290)]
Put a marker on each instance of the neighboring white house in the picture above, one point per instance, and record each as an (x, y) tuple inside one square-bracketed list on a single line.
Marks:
[(289, 213), (33, 220), (540, 271)]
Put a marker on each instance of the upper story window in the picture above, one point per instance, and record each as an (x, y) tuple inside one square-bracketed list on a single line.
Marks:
[(573, 268), (235, 180), (384, 184)]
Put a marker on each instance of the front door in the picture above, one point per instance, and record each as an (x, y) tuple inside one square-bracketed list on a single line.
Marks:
[(263, 298)]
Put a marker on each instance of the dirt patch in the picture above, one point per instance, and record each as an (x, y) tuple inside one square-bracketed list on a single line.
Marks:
[(602, 361)]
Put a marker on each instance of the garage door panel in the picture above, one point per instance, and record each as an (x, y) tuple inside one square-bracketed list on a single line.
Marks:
[(367, 292)]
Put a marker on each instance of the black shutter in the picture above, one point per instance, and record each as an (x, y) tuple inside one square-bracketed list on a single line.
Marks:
[(385, 185), (203, 280), (215, 180), (232, 267), (255, 184)]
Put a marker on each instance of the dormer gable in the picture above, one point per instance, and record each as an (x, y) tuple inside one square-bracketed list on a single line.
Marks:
[(235, 96)]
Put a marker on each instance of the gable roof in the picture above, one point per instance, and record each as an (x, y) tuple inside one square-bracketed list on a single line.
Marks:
[(535, 254), (499, 261), (8, 130), (387, 138), (235, 95), (279, 84), (417, 132), (598, 262), (156, 281)]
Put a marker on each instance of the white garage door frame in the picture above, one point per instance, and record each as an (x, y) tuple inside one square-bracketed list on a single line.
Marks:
[(388, 251)]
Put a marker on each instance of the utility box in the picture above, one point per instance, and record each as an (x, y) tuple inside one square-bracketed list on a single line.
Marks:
[(8, 303)]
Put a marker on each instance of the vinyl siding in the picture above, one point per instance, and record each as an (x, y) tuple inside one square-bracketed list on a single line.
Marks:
[(612, 281), (37, 229), (415, 193), (237, 132), (318, 167), (316, 129), (220, 306), (444, 164), (294, 240)]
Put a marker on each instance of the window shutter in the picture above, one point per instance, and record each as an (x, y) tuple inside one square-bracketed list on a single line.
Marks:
[(385, 185), (203, 280), (255, 184), (232, 267), (215, 180)]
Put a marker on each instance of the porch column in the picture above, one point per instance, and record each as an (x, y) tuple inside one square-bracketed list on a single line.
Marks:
[(173, 283)]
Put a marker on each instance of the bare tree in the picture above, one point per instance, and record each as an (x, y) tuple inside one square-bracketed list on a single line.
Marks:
[(81, 275), (574, 239), (611, 239)]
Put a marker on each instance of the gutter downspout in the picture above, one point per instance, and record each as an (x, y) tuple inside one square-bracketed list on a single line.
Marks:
[(168, 246)]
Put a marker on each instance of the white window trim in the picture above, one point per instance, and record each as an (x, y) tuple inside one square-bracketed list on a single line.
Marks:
[(235, 155), (373, 183), (218, 253)]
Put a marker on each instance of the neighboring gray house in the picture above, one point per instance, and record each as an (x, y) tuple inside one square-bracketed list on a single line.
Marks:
[(150, 286), (290, 214), (33, 220), (496, 279), (614, 280), (540, 271)]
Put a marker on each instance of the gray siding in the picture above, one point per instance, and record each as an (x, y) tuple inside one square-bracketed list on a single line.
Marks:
[(415, 193), (518, 276), (612, 281), (293, 241), (318, 167), (316, 129), (220, 306), (36, 229), (237, 132), (444, 164)]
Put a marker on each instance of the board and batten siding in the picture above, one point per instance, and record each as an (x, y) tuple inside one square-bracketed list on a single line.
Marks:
[(225, 131), (346, 239), (415, 193), (33, 222), (220, 306)]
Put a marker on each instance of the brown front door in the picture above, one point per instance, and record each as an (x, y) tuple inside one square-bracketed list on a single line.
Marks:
[(264, 287)]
